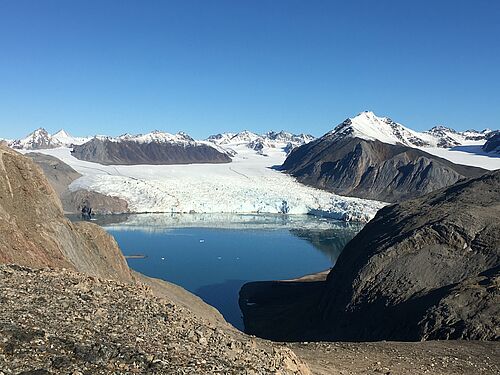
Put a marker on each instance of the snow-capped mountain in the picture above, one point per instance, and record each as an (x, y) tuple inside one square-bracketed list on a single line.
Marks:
[(65, 139), (367, 125), (41, 139), (227, 143), (282, 140)]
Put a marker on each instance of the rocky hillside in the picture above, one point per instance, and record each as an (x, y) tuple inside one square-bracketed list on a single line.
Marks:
[(428, 268), (372, 169), (132, 152), (60, 175), (35, 232)]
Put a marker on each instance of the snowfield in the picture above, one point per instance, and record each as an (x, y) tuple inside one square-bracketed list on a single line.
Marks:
[(471, 154), (247, 185)]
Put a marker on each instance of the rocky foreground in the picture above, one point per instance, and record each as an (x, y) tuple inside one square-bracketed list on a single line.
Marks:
[(62, 322), (58, 321)]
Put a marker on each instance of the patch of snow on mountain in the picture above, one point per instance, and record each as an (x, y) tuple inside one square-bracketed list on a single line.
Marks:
[(157, 136), (472, 155)]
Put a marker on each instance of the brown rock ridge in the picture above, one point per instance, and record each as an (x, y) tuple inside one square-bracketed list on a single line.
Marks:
[(35, 232)]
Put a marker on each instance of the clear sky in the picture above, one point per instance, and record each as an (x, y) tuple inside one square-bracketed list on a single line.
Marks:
[(210, 66)]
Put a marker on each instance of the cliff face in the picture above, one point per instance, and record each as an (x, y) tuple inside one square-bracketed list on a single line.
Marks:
[(131, 153), (35, 232), (372, 169)]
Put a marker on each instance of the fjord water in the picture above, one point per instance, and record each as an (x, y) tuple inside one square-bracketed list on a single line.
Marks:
[(214, 255)]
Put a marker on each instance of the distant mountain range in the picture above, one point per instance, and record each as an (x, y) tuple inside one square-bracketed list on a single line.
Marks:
[(221, 147), (224, 142)]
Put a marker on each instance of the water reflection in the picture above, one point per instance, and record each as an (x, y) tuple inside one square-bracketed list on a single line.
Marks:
[(330, 242)]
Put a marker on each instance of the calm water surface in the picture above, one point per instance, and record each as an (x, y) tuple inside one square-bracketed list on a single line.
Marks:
[(214, 255)]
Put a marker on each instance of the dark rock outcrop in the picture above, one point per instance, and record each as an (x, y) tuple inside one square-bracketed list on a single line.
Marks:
[(125, 152), (427, 268), (372, 169), (101, 204), (493, 143)]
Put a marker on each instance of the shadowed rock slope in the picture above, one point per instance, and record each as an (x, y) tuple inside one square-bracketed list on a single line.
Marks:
[(60, 175), (493, 143), (372, 169), (428, 268), (130, 153)]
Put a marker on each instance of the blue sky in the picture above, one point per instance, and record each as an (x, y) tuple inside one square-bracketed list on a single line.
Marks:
[(204, 67)]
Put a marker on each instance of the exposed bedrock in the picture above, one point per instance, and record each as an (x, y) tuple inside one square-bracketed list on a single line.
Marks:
[(131, 153), (372, 169), (427, 268)]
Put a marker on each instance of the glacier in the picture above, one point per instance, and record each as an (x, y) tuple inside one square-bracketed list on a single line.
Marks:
[(249, 184)]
